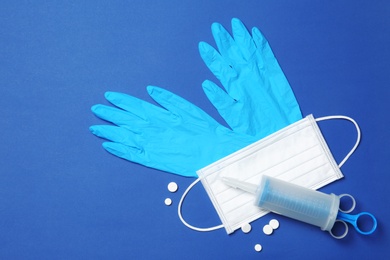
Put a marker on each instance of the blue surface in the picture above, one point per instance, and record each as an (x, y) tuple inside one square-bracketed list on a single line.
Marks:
[(63, 197)]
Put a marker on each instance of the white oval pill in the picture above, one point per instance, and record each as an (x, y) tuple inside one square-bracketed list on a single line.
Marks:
[(274, 223), (246, 228), (267, 229), (168, 201), (172, 187), (258, 247)]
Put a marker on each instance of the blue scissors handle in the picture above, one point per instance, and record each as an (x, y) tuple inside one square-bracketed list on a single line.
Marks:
[(353, 220), (345, 218)]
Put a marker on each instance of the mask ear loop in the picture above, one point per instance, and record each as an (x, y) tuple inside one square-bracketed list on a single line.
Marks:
[(357, 139), (181, 217)]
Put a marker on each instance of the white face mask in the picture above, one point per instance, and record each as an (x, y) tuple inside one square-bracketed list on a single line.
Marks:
[(297, 153)]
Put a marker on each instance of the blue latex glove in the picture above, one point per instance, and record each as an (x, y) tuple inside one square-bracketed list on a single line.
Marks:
[(182, 138), (179, 138), (258, 99)]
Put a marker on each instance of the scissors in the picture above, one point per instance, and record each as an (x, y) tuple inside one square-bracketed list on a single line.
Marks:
[(344, 218)]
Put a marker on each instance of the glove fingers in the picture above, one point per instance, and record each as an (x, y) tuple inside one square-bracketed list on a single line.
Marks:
[(243, 39), (135, 106), (142, 157), (129, 153), (281, 88), (226, 44), (115, 134), (266, 56), (227, 107), (179, 106), (217, 64), (219, 98), (117, 116)]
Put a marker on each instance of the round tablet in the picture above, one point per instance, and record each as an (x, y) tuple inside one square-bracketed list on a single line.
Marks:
[(267, 229), (246, 228), (274, 223), (172, 187), (258, 247), (168, 201)]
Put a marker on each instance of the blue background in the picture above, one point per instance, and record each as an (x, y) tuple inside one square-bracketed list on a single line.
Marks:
[(63, 197)]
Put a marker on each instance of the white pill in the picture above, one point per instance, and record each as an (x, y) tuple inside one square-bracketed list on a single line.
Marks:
[(246, 228), (168, 201), (172, 187), (267, 229), (274, 223), (258, 247)]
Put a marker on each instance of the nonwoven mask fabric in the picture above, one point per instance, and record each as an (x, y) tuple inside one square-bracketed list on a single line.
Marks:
[(297, 153)]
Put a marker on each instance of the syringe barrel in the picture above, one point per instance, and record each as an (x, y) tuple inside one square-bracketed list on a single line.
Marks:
[(298, 202)]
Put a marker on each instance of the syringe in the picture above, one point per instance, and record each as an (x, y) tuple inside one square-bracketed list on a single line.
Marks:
[(301, 203)]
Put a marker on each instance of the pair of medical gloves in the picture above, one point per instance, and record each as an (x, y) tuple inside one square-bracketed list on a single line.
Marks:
[(179, 137)]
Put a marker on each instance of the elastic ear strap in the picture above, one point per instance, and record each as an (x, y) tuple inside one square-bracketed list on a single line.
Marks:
[(357, 139), (181, 217)]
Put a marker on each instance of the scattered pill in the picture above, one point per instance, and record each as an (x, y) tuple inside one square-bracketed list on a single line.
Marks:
[(172, 187), (274, 223), (267, 229), (246, 228), (258, 247), (168, 201)]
